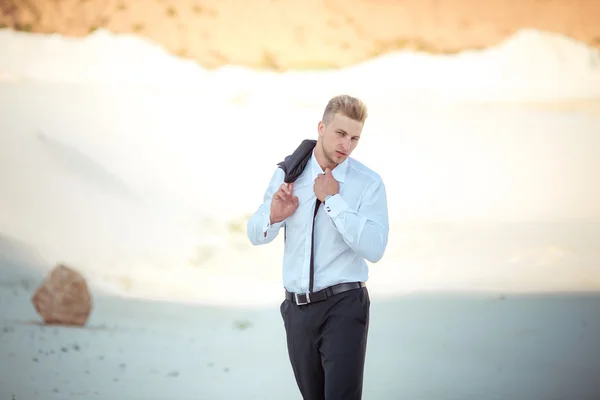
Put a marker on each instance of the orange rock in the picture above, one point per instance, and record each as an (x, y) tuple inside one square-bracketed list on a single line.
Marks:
[(63, 298)]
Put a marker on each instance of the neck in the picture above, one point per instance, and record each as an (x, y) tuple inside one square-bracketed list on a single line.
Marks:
[(322, 160)]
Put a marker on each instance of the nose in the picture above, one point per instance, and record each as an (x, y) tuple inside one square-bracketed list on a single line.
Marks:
[(346, 143)]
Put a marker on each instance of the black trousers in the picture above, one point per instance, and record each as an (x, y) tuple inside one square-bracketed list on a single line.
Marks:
[(327, 343)]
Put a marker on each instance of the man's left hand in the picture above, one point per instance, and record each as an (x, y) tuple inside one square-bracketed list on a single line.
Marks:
[(326, 185)]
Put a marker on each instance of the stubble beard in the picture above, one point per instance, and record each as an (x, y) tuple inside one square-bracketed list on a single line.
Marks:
[(328, 156)]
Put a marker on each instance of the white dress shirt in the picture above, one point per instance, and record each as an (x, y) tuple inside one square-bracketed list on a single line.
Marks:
[(350, 227)]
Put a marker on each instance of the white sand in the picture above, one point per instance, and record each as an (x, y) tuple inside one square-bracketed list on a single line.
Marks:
[(142, 178), (422, 347)]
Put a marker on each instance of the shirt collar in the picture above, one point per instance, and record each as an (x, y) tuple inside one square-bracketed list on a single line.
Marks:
[(339, 172)]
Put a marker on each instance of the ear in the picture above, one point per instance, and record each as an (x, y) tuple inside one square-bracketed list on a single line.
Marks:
[(321, 128)]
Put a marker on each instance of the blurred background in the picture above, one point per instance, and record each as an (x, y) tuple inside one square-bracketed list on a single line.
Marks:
[(483, 123), (284, 35), (137, 137)]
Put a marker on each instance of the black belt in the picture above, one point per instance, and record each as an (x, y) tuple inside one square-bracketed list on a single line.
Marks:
[(306, 298)]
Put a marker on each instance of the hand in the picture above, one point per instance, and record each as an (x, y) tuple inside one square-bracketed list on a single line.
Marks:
[(284, 203), (326, 185)]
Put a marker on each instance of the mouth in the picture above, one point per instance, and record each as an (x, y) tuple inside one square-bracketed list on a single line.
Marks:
[(339, 153)]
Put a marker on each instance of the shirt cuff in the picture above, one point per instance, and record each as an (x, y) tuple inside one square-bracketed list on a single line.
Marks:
[(336, 205), (267, 226)]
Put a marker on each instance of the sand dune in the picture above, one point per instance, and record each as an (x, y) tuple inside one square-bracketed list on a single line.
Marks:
[(145, 183), (528, 66)]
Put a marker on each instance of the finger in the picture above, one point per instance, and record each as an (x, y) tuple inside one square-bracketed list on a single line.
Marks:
[(281, 194), (327, 171), (295, 200), (291, 187), (286, 193)]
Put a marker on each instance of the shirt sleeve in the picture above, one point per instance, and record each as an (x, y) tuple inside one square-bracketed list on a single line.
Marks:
[(365, 230), (259, 227)]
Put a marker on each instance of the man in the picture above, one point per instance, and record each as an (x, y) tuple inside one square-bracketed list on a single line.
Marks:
[(326, 306)]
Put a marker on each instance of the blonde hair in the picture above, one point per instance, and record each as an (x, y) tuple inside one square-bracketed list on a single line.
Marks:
[(346, 105)]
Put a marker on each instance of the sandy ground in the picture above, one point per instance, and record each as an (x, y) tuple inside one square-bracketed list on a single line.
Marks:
[(283, 34), (423, 347)]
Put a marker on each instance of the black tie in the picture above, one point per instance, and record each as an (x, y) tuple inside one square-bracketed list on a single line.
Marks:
[(312, 249)]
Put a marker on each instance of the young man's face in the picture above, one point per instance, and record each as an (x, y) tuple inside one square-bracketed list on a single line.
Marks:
[(339, 137)]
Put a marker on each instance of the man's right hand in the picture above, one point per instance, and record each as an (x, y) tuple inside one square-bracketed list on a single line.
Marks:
[(284, 203)]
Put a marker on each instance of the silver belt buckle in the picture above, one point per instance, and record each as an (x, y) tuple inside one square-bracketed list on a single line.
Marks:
[(298, 296)]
